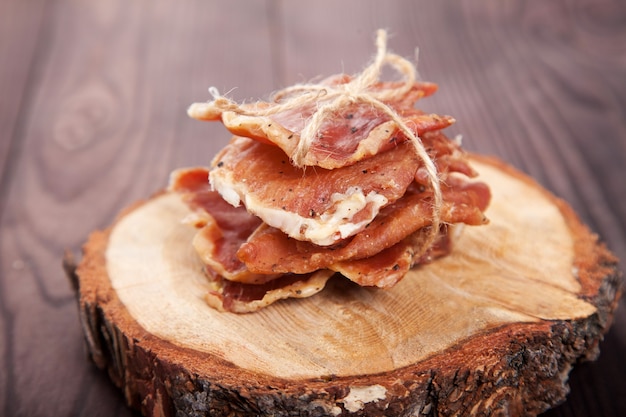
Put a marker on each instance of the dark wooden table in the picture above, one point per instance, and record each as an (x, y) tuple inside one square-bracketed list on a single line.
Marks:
[(92, 117)]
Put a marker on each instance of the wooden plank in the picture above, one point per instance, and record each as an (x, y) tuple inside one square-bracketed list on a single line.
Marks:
[(21, 21), (104, 125)]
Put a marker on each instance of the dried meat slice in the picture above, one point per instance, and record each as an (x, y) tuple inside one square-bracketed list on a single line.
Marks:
[(314, 204), (405, 98), (222, 228), (388, 267), (354, 132), (269, 250), (237, 297)]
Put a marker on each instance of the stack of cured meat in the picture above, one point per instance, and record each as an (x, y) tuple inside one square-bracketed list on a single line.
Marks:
[(341, 177)]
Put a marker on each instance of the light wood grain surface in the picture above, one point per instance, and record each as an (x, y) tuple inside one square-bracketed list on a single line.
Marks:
[(92, 117)]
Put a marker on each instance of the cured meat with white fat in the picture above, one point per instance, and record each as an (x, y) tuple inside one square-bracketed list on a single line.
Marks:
[(269, 250), (238, 247), (311, 204)]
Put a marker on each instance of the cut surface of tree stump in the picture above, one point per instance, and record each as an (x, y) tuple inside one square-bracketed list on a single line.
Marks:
[(492, 329)]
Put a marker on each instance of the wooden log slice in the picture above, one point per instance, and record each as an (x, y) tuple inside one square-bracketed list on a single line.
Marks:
[(492, 329)]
